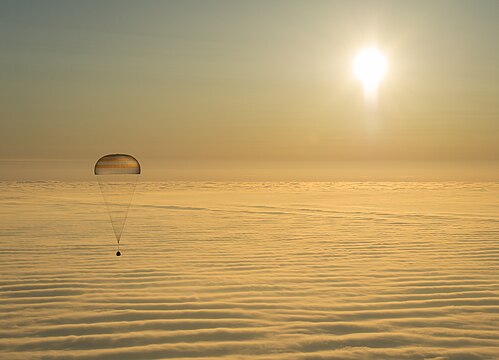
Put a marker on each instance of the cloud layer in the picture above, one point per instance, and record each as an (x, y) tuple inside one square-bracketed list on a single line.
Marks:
[(251, 270)]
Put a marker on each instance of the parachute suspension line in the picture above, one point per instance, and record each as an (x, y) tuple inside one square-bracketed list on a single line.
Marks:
[(111, 200)]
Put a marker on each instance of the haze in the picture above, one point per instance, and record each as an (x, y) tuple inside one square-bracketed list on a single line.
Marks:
[(181, 83)]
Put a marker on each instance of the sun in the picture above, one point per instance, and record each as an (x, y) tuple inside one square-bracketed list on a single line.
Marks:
[(370, 67)]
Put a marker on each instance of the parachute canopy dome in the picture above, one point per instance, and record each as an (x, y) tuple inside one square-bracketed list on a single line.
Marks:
[(117, 164)]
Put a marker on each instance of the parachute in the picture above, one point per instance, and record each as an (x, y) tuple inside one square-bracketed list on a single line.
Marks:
[(117, 175)]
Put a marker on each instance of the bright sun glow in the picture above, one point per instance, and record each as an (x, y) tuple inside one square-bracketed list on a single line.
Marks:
[(370, 66)]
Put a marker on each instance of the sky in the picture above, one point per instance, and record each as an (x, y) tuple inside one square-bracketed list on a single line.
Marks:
[(239, 82)]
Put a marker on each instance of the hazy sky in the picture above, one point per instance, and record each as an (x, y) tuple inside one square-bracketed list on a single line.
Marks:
[(248, 80)]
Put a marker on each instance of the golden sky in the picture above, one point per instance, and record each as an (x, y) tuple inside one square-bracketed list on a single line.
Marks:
[(248, 81)]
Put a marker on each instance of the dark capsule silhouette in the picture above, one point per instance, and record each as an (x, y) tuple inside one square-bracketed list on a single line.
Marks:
[(118, 253)]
